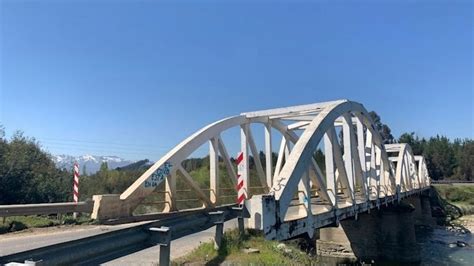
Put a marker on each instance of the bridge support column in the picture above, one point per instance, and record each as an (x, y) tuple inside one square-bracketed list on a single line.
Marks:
[(109, 206), (386, 235), (422, 213), (426, 211), (254, 206)]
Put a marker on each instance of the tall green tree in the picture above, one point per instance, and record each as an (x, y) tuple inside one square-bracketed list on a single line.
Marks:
[(28, 175), (440, 157), (383, 129), (417, 145)]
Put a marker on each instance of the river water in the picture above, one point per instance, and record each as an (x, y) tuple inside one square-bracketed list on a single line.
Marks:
[(439, 246)]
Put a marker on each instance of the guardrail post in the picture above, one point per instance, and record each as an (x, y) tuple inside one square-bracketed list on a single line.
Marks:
[(218, 218), (240, 219), (163, 237)]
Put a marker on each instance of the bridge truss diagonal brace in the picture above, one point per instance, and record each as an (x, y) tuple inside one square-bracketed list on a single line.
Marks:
[(301, 154), (195, 186), (290, 136), (256, 157), (228, 164)]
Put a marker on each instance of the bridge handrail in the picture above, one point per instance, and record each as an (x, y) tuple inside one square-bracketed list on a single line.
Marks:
[(45, 208)]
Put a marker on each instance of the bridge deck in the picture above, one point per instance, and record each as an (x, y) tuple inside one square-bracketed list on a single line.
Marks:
[(296, 223)]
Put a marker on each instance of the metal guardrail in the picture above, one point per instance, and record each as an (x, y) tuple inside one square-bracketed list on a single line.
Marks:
[(106, 246), (45, 208)]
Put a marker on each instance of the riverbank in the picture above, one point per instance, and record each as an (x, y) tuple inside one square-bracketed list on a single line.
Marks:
[(459, 195), (467, 221)]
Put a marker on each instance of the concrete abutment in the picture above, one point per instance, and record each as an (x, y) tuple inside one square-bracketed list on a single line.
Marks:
[(387, 235)]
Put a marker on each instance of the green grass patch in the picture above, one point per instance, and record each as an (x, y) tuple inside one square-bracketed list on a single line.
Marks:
[(231, 252), (456, 194), (18, 223)]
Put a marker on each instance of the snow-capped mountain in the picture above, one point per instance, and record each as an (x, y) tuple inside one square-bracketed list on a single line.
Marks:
[(91, 163)]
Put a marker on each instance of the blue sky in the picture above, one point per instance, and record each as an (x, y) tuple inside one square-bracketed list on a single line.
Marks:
[(134, 78)]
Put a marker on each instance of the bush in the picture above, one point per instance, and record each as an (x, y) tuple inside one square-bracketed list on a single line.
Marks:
[(17, 226)]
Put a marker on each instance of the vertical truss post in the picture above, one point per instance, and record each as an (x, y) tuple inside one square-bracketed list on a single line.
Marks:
[(406, 163), (348, 156), (304, 195), (330, 170), (245, 151), (214, 170), (163, 237), (356, 163), (281, 156), (170, 192), (268, 154), (341, 176), (257, 162), (361, 148), (383, 178), (378, 168), (370, 163)]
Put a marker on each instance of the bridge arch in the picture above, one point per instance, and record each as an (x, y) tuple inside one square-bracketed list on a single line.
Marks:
[(356, 168)]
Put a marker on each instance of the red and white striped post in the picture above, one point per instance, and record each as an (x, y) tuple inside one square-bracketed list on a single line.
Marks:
[(76, 186), (241, 193)]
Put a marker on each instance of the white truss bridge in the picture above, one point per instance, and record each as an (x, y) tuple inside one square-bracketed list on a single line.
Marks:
[(299, 193)]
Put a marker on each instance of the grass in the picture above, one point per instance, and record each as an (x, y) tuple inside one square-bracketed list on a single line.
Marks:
[(231, 252), (456, 194), (18, 223), (456, 200)]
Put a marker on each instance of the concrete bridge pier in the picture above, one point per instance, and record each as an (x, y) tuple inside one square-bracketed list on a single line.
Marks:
[(386, 235), (422, 212)]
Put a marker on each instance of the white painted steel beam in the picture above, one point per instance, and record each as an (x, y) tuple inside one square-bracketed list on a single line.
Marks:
[(361, 165)]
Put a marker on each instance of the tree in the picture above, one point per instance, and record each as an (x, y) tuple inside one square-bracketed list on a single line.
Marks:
[(84, 170), (416, 144), (465, 160), (104, 167), (383, 129), (28, 175), (440, 157)]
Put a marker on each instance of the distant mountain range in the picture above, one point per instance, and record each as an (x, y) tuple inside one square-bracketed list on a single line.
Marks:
[(90, 163)]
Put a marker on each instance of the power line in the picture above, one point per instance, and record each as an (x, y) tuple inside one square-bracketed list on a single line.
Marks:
[(130, 148), (96, 142), (102, 151)]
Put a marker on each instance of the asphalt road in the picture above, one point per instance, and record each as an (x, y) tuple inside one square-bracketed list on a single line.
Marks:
[(179, 248), (22, 241), (40, 237)]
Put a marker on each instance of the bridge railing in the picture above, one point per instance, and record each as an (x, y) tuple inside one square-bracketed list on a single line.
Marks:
[(45, 208)]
